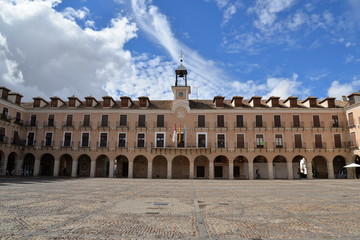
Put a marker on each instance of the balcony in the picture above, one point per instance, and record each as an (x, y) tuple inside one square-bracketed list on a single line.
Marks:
[(201, 124), (121, 144), (103, 124), (341, 145), (66, 144), (221, 144), (49, 124), (18, 122), (318, 145), (31, 144), (66, 124), (84, 144), (4, 140), (241, 145), (259, 145), (278, 124), (140, 144), (317, 124), (5, 117), (279, 145), (47, 143), (336, 124), (259, 124), (160, 124), (141, 125), (31, 123), (85, 124), (240, 125), (297, 125), (18, 142), (221, 124), (122, 125), (102, 144), (300, 145)]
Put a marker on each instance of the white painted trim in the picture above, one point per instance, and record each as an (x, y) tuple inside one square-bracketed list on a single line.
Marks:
[(81, 138), (217, 140), (155, 141), (107, 139), (71, 137), (27, 137), (197, 139), (52, 137)]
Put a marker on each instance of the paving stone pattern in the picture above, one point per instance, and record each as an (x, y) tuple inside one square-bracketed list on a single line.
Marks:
[(99, 208)]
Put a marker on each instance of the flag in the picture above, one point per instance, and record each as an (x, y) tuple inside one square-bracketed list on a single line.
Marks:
[(184, 133), (179, 134), (174, 134)]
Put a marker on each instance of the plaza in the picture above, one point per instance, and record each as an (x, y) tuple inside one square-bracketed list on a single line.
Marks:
[(113, 208)]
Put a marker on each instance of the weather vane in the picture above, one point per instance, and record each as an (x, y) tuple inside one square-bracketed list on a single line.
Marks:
[(181, 56)]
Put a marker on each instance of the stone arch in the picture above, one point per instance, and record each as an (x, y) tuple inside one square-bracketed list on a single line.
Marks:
[(280, 167), (28, 164), (140, 167), (221, 167), (241, 168), (201, 167), (338, 163), (2, 160), (102, 166), (11, 164), (180, 167), (159, 167), (84, 166), (297, 172), (260, 167), (319, 167), (121, 166), (47, 165), (65, 168)]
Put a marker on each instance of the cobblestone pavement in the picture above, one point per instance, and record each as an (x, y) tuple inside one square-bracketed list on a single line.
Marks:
[(83, 208)]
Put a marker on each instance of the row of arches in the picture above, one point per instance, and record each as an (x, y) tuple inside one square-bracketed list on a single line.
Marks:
[(178, 167)]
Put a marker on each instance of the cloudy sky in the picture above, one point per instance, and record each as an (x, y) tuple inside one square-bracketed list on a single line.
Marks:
[(131, 47)]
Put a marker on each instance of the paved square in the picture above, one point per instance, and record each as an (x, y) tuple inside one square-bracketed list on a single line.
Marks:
[(53, 208)]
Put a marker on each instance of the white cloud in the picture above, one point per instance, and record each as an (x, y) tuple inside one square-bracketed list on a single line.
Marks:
[(73, 14), (338, 90), (47, 54)]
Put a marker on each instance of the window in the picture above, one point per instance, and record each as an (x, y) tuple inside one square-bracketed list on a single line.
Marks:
[(104, 120), (239, 121), (318, 141), (5, 113), (67, 139), (160, 140), (122, 140), (335, 120), (201, 120), (277, 121), (86, 121), (337, 140), (2, 134), (85, 137), (16, 139), (103, 139), (160, 121), (351, 119), (279, 141), (123, 120), (33, 121), (69, 119), (48, 139), (30, 139), (201, 140), (296, 121), (220, 121), (141, 140), (259, 122), (298, 141), (18, 117), (51, 120), (221, 140), (353, 140), (260, 141), (316, 121), (240, 140), (141, 121)]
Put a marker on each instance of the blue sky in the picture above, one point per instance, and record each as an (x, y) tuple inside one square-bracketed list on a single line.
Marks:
[(131, 47)]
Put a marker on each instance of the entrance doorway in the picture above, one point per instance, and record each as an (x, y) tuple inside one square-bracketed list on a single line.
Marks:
[(218, 171), (200, 171), (236, 171)]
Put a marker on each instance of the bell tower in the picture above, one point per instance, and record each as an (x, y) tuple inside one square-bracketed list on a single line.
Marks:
[(181, 90)]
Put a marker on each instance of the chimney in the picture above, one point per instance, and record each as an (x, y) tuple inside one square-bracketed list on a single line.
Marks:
[(219, 101), (291, 102), (15, 97), (108, 101), (90, 101), (4, 92), (39, 102), (236, 101), (310, 102), (328, 102), (126, 102), (74, 101), (144, 102), (273, 102), (255, 101)]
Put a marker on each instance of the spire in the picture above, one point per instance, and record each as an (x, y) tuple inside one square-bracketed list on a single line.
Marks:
[(181, 73)]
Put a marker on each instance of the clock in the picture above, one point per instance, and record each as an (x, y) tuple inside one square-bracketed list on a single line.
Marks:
[(180, 94)]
